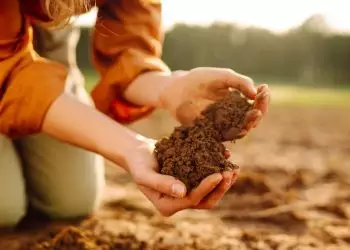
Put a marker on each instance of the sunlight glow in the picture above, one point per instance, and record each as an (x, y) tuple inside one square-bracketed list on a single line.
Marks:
[(275, 15)]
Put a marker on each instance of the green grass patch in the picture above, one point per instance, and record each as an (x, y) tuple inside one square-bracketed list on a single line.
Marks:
[(310, 96), (285, 94)]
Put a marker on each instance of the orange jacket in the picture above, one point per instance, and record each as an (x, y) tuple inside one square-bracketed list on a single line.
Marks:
[(126, 42)]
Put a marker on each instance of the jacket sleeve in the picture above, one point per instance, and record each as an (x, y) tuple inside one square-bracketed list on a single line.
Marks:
[(28, 84), (127, 41)]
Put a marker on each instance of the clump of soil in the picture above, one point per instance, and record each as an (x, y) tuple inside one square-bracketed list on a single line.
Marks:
[(91, 237), (192, 153)]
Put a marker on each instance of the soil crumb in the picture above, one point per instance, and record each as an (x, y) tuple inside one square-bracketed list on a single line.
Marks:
[(192, 153), (92, 236)]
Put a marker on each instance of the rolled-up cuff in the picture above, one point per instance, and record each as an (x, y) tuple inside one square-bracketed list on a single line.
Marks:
[(108, 94)]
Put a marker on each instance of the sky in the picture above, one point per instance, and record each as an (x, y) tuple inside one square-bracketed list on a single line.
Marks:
[(275, 15)]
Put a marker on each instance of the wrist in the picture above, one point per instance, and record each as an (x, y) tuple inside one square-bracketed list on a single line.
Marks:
[(114, 142), (147, 87), (120, 147), (171, 95)]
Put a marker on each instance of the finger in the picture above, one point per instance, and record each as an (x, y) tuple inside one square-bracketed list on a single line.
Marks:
[(168, 206), (213, 199), (262, 98), (219, 78), (205, 187), (230, 134), (187, 112), (179, 73), (164, 184), (202, 104), (227, 153), (216, 92), (235, 177), (252, 119), (165, 205), (151, 194), (243, 84), (242, 134), (262, 87)]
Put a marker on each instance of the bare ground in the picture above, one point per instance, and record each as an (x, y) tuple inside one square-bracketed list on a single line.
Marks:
[(293, 193)]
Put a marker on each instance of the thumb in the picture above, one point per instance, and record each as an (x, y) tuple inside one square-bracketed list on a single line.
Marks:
[(187, 112), (164, 184)]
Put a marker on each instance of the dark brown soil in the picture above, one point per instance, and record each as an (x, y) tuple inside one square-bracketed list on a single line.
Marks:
[(192, 153)]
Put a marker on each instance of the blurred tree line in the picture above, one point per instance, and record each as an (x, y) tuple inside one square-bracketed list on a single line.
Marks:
[(308, 54)]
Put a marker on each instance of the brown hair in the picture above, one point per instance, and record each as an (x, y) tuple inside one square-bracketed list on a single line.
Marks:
[(61, 11)]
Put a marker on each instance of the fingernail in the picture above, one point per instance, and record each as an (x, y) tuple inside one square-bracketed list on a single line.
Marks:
[(219, 178), (255, 91), (259, 96), (178, 190), (265, 94), (260, 87), (250, 125), (264, 86), (227, 154), (237, 170), (242, 133), (257, 121)]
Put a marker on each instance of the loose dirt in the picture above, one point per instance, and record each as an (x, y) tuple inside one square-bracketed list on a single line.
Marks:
[(192, 153), (90, 235), (293, 192)]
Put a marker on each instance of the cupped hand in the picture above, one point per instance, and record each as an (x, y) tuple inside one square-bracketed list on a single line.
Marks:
[(192, 91), (168, 194)]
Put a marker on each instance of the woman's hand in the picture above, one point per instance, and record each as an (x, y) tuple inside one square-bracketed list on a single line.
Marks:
[(132, 152), (166, 193), (192, 91)]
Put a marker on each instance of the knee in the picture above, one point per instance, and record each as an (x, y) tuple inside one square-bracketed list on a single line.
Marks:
[(74, 205), (12, 211), (12, 188), (77, 195), (79, 201)]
